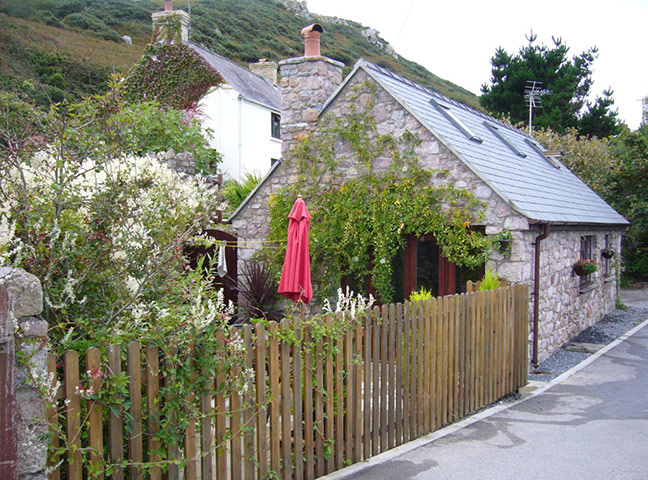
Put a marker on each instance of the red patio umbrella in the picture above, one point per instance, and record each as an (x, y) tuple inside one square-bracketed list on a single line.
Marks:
[(295, 282)]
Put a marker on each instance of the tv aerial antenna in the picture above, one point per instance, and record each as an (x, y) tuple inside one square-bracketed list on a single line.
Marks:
[(532, 94), (189, 28)]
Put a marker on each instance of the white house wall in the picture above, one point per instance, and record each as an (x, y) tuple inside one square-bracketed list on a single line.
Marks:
[(241, 132)]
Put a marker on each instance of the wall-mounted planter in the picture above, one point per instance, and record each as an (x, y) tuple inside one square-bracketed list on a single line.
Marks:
[(607, 253), (585, 267)]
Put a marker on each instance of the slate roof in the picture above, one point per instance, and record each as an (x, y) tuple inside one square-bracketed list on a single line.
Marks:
[(506, 159), (250, 85)]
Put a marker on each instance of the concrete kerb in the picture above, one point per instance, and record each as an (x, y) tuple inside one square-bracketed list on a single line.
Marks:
[(408, 447)]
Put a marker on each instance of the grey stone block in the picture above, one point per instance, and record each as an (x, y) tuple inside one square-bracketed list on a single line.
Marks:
[(26, 293)]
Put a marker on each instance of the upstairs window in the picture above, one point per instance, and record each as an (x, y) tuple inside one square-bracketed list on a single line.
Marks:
[(275, 125)]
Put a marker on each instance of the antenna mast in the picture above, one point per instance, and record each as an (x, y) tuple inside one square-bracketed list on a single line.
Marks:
[(189, 12), (532, 93)]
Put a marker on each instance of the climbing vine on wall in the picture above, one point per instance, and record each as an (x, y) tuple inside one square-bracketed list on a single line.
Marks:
[(171, 73), (361, 213)]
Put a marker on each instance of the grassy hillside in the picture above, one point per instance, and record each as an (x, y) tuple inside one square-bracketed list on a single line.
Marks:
[(68, 48)]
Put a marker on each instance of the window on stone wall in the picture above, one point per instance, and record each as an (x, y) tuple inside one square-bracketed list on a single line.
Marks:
[(275, 125), (586, 250), (607, 267)]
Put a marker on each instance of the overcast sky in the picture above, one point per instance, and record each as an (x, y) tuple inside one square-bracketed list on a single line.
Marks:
[(455, 40)]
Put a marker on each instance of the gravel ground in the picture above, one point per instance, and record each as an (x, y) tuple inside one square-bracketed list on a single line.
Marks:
[(613, 325)]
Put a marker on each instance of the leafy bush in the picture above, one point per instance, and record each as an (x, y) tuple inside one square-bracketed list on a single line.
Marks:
[(102, 229), (172, 74), (259, 291), (490, 281), (235, 191), (420, 295)]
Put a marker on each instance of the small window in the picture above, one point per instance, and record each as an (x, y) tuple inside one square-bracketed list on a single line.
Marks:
[(549, 158), (607, 267), (586, 250), (275, 127), (449, 114), (504, 140)]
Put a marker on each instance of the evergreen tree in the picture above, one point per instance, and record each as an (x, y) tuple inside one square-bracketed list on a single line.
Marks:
[(566, 83)]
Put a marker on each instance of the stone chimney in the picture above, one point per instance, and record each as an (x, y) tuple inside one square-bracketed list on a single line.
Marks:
[(306, 84), (170, 26), (265, 69)]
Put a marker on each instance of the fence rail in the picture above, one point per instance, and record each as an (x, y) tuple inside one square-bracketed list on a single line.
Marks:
[(406, 371)]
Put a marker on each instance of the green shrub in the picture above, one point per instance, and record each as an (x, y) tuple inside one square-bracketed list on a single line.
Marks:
[(490, 281), (235, 191), (420, 294)]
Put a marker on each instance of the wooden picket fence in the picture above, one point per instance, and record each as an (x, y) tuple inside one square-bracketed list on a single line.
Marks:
[(406, 371)]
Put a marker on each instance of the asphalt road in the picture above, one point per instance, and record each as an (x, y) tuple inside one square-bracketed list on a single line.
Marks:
[(593, 425)]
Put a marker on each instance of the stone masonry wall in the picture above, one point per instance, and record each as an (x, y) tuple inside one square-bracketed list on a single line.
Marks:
[(565, 309), (180, 162), (31, 343)]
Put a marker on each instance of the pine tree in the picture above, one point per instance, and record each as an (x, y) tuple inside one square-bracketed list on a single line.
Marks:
[(566, 84)]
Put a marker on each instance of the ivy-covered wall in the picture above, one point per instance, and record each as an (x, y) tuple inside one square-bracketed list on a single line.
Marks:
[(171, 73), (391, 135)]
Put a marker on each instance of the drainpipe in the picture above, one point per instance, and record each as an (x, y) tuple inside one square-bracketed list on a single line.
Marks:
[(240, 137), (536, 293)]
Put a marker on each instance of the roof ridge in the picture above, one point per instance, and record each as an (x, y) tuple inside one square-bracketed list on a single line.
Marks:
[(231, 62)]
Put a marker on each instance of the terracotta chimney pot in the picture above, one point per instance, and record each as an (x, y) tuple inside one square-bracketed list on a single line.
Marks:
[(311, 35), (168, 5)]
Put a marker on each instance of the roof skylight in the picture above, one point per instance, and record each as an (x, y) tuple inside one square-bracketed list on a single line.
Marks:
[(449, 114), (504, 140), (537, 148)]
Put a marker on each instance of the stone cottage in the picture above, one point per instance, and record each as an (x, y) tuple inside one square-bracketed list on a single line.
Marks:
[(551, 217)]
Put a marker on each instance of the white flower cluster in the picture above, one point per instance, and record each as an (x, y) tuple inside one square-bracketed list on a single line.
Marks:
[(348, 303), (48, 384), (10, 245), (203, 313)]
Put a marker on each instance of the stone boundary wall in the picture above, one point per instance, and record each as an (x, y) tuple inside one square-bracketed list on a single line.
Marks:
[(30, 332), (180, 162)]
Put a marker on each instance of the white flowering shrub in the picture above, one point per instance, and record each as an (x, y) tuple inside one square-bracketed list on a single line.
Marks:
[(105, 230), (106, 239)]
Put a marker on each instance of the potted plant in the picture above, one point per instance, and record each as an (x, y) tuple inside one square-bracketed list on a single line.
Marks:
[(585, 267), (607, 253)]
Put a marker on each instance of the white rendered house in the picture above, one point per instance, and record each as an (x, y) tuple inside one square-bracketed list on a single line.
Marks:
[(243, 113)]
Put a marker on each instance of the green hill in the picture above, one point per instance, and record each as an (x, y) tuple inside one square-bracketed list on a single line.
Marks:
[(63, 49)]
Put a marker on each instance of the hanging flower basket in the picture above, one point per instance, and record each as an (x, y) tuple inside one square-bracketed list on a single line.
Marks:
[(607, 253), (585, 267)]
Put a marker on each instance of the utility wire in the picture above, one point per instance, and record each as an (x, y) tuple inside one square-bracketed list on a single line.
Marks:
[(405, 21)]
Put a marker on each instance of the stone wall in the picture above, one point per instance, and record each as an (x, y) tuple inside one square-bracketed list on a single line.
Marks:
[(180, 162), (31, 343), (565, 309)]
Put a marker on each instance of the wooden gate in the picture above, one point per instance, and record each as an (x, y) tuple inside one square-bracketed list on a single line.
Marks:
[(8, 448), (228, 282)]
